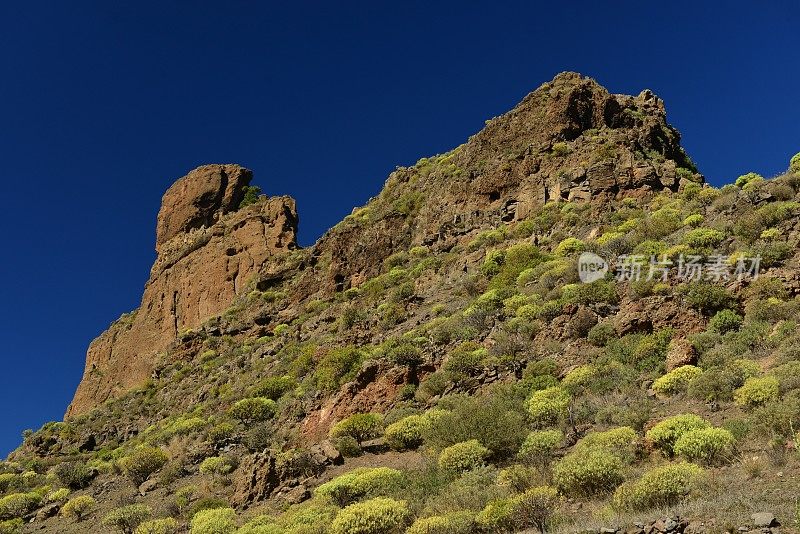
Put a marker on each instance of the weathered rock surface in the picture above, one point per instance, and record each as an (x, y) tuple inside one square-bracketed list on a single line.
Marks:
[(207, 253)]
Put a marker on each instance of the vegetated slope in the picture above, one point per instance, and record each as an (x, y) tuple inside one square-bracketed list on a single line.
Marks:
[(434, 362)]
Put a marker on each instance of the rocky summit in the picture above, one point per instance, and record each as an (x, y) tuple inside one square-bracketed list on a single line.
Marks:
[(439, 362)]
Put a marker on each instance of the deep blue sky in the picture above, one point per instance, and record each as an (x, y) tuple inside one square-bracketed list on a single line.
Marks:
[(103, 106)]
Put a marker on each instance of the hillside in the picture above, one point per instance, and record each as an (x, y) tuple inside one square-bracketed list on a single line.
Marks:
[(438, 362)]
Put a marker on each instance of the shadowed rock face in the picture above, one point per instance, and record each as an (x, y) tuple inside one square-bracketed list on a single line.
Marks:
[(207, 252)]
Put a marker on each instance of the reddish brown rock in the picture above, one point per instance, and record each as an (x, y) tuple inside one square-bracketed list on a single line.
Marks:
[(207, 255), (198, 199)]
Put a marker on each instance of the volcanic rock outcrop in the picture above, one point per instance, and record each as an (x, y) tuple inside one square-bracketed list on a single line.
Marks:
[(207, 251), (568, 140)]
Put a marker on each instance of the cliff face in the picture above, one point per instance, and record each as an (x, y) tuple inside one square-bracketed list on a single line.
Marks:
[(207, 251), (569, 140)]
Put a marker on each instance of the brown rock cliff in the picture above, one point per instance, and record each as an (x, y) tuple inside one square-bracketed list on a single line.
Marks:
[(207, 252)]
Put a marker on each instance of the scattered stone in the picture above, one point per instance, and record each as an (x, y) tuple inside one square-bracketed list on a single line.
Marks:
[(764, 519), (147, 486)]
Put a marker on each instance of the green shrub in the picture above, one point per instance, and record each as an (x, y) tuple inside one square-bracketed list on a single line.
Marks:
[(75, 475), (533, 508), (579, 378), (8, 481), (496, 420), (708, 298), (221, 434), (216, 466), (465, 360), (18, 504), (251, 193), (588, 471), (601, 333), (275, 387), (703, 237), (340, 364), (548, 406), (166, 525), (214, 521), (11, 526), (745, 179), (677, 380), (142, 462), (757, 391), (360, 482), (794, 163), (660, 487), (539, 446), (375, 516), (253, 409), (463, 456), (570, 246), (78, 507), (664, 434), (462, 522), (127, 518), (59, 495), (694, 220), (707, 445), (406, 433), (725, 321), (620, 441), (361, 427)]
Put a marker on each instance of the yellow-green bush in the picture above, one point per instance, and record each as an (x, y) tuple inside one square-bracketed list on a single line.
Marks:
[(745, 179), (361, 427), (757, 391), (660, 487), (360, 482), (579, 378), (707, 445), (127, 518), (694, 220), (166, 525), (214, 521), (8, 481), (664, 434), (380, 515), (253, 409), (463, 456), (548, 406), (18, 504), (78, 507), (462, 522), (677, 380), (794, 163), (725, 321), (539, 446), (11, 526), (406, 433), (569, 246), (588, 472), (142, 462), (58, 495), (216, 466), (620, 441), (274, 387), (534, 508), (703, 237)]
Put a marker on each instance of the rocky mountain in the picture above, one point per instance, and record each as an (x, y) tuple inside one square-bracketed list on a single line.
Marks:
[(439, 362)]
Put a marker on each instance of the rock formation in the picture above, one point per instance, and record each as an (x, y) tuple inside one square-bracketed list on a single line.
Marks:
[(207, 252)]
